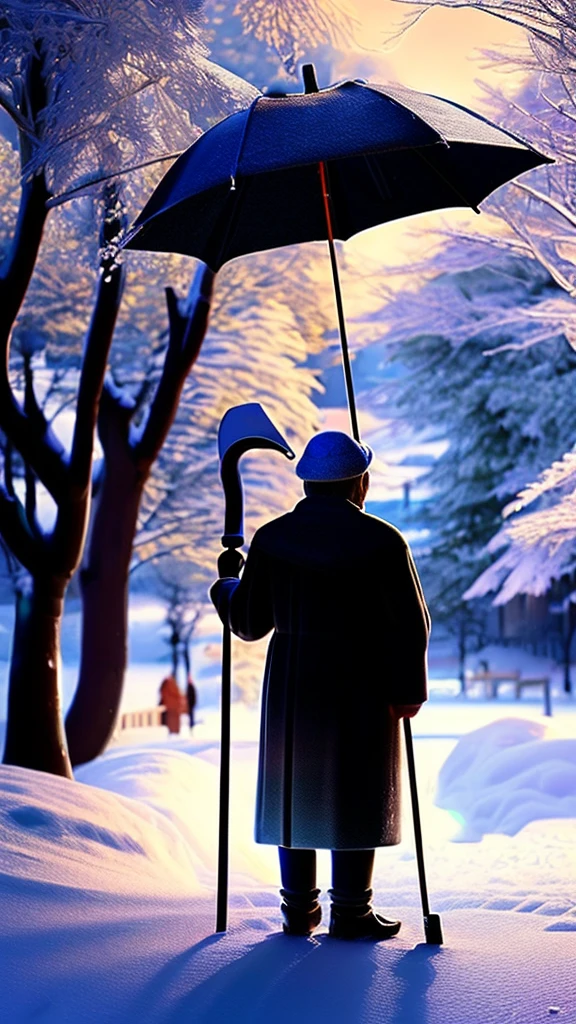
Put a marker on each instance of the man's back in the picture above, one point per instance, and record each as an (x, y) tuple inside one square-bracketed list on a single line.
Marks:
[(328, 569)]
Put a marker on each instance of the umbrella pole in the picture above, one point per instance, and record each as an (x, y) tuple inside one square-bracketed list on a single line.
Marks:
[(223, 825), (339, 304)]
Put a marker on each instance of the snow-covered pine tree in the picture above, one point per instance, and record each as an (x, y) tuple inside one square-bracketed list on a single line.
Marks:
[(496, 410), (535, 550), (535, 218)]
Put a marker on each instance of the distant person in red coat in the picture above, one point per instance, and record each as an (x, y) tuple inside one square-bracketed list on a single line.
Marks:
[(347, 661), (171, 698)]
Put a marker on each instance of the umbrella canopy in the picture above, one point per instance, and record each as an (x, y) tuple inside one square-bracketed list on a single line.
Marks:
[(252, 181)]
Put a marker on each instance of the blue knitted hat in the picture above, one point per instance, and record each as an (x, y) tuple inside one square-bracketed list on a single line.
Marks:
[(333, 455)]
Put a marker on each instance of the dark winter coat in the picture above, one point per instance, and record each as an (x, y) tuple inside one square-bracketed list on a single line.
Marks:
[(341, 592)]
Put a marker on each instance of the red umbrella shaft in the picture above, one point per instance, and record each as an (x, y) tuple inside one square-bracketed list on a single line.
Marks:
[(339, 304)]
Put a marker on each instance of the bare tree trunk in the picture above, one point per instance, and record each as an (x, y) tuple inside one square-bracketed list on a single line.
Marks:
[(127, 466), (104, 587), (462, 655), (186, 657), (175, 644), (570, 617), (35, 737)]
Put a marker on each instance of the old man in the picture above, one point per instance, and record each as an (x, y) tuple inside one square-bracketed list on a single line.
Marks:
[(346, 661)]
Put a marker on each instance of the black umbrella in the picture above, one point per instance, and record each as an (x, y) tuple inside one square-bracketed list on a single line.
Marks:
[(325, 165)]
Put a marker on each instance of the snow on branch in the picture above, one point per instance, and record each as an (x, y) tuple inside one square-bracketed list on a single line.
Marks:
[(541, 549), (540, 545), (560, 474), (551, 27), (292, 27), (124, 81)]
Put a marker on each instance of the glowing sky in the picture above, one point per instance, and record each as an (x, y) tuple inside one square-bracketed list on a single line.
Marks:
[(441, 54)]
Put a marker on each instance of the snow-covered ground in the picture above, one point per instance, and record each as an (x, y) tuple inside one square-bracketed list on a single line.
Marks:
[(107, 887), (107, 884)]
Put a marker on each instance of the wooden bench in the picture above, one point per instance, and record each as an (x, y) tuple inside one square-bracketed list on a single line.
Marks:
[(140, 719), (542, 681), (492, 680)]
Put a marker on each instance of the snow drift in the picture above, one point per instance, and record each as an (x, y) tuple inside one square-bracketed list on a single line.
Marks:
[(505, 775), (62, 833)]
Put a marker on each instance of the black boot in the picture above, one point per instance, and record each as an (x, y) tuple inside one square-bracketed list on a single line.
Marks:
[(300, 910), (360, 923), (352, 917), (301, 914)]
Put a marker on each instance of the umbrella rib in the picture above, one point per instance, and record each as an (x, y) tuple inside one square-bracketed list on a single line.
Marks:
[(378, 178), (249, 112), (446, 181)]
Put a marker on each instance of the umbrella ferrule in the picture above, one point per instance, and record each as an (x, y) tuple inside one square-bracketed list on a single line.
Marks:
[(232, 183)]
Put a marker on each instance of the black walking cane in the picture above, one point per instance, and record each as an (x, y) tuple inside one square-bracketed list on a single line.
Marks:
[(242, 428), (432, 922)]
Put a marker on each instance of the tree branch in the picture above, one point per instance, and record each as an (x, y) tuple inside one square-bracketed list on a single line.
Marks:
[(185, 341), (9, 469), (36, 446), (559, 208), (15, 115), (71, 522), (67, 15), (37, 419), (17, 533), (114, 416), (96, 351)]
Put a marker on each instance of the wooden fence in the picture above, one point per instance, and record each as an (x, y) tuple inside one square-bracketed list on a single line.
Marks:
[(140, 719)]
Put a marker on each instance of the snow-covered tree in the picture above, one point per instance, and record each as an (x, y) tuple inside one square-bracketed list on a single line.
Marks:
[(497, 410), (536, 550), (89, 89), (159, 494), (55, 73), (535, 214), (534, 218), (122, 82)]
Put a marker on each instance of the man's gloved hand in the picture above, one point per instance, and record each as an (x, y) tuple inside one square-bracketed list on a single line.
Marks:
[(230, 562)]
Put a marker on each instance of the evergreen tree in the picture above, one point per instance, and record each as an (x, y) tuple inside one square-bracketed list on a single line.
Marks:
[(495, 408)]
